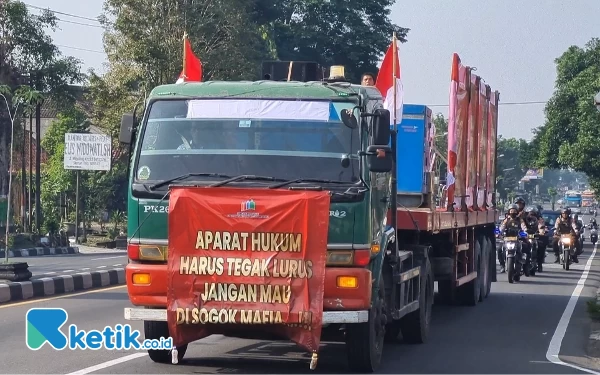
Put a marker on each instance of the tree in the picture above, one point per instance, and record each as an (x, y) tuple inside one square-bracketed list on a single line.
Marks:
[(441, 143), (569, 137), (22, 100), (146, 39), (553, 193), (353, 33), (512, 163), (56, 179), (28, 57)]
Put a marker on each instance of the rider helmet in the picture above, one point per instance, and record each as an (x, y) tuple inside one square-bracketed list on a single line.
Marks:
[(592, 220), (513, 210), (531, 210), (520, 202), (565, 212)]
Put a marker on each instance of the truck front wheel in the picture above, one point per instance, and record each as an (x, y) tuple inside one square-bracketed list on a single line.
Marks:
[(364, 341), (156, 330)]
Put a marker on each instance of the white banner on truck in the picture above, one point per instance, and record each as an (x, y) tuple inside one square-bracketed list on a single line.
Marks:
[(88, 152), (262, 109)]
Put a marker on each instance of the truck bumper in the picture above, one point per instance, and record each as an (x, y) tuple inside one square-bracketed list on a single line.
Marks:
[(329, 317), (336, 298)]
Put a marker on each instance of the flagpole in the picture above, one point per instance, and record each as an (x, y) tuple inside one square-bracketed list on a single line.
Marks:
[(395, 51), (184, 55)]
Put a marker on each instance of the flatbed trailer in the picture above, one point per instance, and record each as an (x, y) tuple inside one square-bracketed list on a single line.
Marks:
[(456, 222)]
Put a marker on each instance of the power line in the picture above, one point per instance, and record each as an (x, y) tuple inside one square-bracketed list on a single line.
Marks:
[(80, 23), (62, 13), (501, 103), (79, 49)]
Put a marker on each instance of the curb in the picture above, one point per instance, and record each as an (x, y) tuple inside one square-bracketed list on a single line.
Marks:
[(49, 286), (593, 347), (40, 251)]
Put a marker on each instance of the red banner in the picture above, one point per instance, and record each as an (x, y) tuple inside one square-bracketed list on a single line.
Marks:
[(244, 259)]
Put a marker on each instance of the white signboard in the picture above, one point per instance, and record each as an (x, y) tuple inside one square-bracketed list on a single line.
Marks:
[(597, 101), (88, 152)]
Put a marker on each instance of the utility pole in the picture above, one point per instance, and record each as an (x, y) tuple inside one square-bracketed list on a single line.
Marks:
[(38, 161)]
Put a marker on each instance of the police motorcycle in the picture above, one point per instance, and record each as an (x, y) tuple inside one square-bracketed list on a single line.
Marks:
[(593, 234), (531, 264), (512, 252), (567, 250)]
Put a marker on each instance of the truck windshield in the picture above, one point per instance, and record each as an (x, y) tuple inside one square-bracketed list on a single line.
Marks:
[(214, 136)]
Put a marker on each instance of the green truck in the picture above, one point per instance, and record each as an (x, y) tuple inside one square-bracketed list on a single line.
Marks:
[(336, 137)]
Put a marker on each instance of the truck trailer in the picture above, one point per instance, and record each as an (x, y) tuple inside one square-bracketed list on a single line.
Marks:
[(393, 229)]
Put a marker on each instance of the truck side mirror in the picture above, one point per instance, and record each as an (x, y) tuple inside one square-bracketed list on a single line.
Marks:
[(126, 128), (379, 158), (381, 127)]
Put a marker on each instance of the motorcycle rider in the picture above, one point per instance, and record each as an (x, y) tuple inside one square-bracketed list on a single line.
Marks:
[(564, 225), (593, 224), (520, 202), (580, 229), (536, 225), (514, 223)]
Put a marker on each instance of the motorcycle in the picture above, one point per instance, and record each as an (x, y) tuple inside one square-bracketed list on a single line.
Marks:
[(531, 265), (512, 251), (593, 235), (567, 248)]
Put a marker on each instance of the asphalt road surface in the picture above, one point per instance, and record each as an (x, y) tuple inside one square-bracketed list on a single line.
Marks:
[(49, 266), (514, 331)]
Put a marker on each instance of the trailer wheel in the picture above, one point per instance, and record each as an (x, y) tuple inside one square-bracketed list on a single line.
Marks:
[(485, 272), (415, 326), (469, 293), (156, 330), (364, 341), (490, 265)]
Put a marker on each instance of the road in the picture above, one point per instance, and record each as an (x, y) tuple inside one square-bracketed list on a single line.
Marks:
[(48, 266), (510, 332)]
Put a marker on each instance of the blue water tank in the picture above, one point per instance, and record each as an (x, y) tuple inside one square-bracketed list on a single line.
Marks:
[(411, 151)]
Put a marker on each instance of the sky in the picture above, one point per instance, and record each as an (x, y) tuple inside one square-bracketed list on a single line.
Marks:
[(512, 43)]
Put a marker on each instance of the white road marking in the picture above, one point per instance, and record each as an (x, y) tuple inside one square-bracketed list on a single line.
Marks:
[(49, 273), (107, 364), (117, 265), (101, 267), (120, 256), (85, 269), (561, 329), (65, 271)]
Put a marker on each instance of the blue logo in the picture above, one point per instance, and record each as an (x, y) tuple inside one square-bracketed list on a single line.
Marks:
[(44, 325)]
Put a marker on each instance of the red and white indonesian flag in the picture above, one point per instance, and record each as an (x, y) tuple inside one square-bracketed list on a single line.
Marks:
[(387, 77), (192, 66)]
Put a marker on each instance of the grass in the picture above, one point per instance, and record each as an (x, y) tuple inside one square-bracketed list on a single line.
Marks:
[(593, 308)]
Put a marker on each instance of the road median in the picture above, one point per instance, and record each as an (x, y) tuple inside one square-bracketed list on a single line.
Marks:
[(40, 251), (51, 286)]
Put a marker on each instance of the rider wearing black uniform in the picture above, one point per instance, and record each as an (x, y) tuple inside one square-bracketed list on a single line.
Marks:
[(580, 229), (512, 223), (593, 224), (520, 202), (536, 225), (564, 225)]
